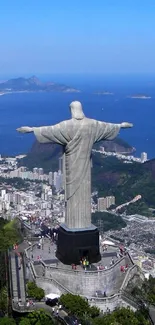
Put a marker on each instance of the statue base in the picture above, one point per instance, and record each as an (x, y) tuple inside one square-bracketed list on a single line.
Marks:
[(74, 244)]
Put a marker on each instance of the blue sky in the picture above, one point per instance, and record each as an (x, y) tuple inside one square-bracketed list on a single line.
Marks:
[(68, 36)]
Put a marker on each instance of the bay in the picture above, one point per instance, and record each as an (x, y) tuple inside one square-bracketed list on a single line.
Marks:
[(37, 109)]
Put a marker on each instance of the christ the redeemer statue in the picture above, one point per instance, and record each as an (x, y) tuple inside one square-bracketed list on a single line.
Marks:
[(77, 137)]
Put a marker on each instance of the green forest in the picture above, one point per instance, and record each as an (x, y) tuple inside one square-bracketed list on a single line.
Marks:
[(106, 221), (9, 235), (111, 176)]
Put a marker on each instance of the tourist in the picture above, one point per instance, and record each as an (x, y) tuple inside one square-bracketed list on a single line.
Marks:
[(122, 268), (84, 264), (87, 263)]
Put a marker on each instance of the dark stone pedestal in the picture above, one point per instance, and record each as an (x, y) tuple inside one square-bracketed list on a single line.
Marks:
[(73, 244)]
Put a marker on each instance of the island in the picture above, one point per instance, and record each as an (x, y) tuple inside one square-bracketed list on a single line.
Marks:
[(33, 84), (103, 93), (140, 96)]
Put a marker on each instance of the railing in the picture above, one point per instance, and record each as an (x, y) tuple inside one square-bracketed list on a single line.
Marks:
[(17, 276), (130, 300), (28, 248), (22, 308), (127, 276), (34, 274), (108, 270), (57, 284)]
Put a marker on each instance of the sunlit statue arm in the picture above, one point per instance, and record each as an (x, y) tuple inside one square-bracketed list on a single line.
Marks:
[(27, 129), (45, 134)]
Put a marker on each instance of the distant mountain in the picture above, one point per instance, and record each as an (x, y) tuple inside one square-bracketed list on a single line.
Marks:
[(32, 84)]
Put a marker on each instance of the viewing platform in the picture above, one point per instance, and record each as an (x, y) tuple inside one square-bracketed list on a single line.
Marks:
[(103, 287), (100, 279)]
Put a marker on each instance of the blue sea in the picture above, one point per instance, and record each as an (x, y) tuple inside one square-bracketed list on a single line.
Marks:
[(38, 109)]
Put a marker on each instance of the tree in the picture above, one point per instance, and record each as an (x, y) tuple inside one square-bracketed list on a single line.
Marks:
[(3, 300), (75, 304), (94, 311), (109, 221), (39, 317), (7, 321), (9, 235), (121, 316), (24, 321), (144, 293), (31, 285), (38, 294), (34, 291)]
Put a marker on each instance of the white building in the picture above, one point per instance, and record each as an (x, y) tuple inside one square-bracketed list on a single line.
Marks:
[(54, 178), (143, 157), (3, 193), (35, 170), (105, 202), (40, 171), (59, 179), (50, 178), (61, 164)]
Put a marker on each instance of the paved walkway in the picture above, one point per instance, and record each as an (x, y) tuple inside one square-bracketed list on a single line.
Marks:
[(18, 281), (14, 278), (47, 251)]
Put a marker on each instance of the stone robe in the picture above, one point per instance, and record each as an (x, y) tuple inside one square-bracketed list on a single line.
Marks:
[(77, 137)]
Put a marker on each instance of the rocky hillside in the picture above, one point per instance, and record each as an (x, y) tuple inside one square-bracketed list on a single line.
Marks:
[(111, 176), (32, 84)]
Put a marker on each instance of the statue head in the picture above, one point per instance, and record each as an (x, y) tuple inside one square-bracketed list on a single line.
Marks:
[(76, 110)]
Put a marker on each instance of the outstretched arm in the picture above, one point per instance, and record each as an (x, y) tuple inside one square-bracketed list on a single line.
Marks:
[(55, 133), (25, 129), (126, 125), (109, 131)]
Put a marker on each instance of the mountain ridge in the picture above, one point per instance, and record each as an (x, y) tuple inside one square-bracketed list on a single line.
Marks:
[(32, 84)]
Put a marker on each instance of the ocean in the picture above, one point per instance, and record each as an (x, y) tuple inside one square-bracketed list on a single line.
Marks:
[(38, 109)]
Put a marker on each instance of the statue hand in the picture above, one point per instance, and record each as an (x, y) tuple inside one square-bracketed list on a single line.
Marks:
[(25, 129), (125, 125)]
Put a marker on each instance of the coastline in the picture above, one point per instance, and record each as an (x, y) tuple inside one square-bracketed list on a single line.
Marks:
[(139, 97), (104, 93), (40, 91)]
